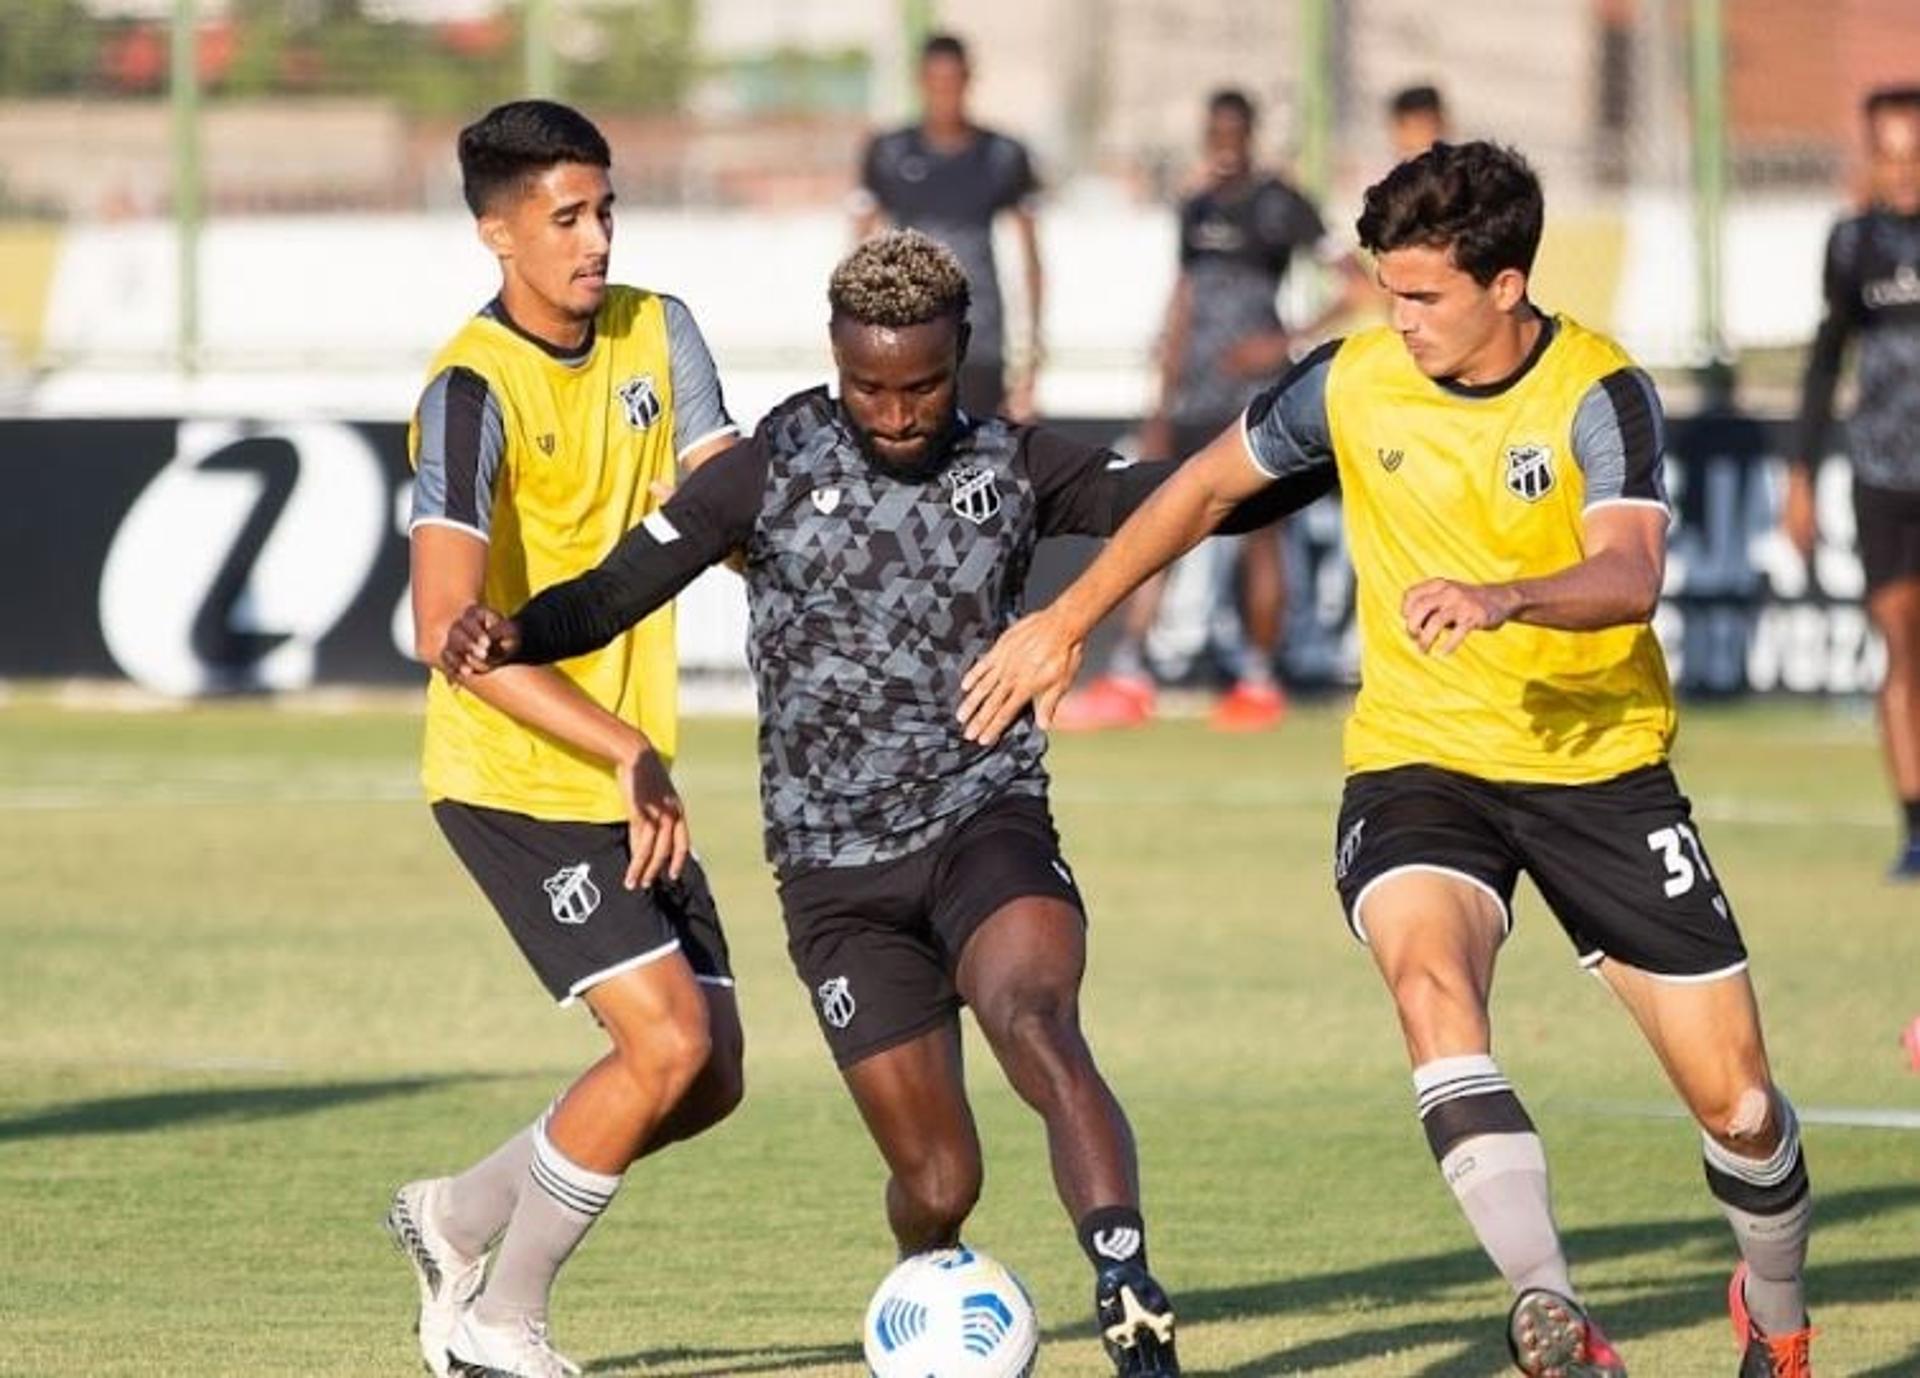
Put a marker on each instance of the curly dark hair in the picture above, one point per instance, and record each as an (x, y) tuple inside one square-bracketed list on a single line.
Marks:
[(1478, 200), (899, 278), (509, 145)]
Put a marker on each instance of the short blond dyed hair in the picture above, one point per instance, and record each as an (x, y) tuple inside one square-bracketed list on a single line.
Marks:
[(899, 278)]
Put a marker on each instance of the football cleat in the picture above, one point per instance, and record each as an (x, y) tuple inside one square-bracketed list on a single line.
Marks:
[(1249, 707), (518, 1348), (448, 1278), (1906, 866), (1136, 1322), (1763, 1355), (1109, 701), (1550, 1336)]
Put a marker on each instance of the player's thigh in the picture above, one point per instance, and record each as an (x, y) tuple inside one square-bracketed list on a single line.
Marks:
[(1007, 911), (1887, 530), (862, 945), (1708, 1039), (912, 1096), (557, 887), (1894, 608), (1422, 866), (1624, 868)]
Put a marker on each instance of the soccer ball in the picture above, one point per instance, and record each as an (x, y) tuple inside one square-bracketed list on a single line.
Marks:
[(951, 1313)]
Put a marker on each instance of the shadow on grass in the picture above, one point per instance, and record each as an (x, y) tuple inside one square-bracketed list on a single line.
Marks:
[(723, 1363), (1666, 1297), (211, 1105), (1673, 1298)]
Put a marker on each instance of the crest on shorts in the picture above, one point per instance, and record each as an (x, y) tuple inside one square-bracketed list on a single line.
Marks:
[(1349, 849), (572, 894), (641, 401), (1530, 471), (836, 1002), (825, 500), (975, 495)]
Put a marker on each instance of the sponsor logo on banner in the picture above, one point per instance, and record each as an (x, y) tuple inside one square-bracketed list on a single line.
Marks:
[(241, 555)]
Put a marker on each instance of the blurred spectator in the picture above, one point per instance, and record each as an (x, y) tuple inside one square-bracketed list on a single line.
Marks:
[(1239, 230), (1416, 121), (952, 178), (1873, 293)]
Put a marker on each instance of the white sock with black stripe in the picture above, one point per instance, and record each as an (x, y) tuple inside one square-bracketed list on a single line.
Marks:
[(1769, 1204), (1495, 1166), (557, 1206)]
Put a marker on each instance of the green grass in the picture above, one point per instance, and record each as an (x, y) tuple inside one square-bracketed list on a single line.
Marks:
[(245, 990)]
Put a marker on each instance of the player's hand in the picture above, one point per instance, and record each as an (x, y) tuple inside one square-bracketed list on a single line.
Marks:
[(479, 640), (1798, 519), (1033, 662), (657, 836), (1440, 613)]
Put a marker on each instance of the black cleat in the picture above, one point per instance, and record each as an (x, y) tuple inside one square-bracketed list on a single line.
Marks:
[(1136, 1322)]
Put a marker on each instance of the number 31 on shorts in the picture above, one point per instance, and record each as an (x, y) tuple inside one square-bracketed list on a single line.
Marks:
[(1680, 850)]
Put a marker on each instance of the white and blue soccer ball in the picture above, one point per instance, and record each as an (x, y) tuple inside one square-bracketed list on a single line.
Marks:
[(951, 1313)]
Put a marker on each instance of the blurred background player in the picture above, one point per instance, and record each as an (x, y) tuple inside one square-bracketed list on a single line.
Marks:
[(952, 179), (1872, 287), (1515, 714), (548, 417), (1416, 121), (1239, 231)]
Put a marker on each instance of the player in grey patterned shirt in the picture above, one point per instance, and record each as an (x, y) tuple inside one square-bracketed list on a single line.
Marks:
[(1873, 296), (887, 536)]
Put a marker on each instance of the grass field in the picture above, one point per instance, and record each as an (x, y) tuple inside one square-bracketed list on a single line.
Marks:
[(245, 991)]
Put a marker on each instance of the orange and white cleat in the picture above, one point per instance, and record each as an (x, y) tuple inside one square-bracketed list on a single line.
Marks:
[(1108, 702), (1551, 1336), (1250, 706), (1763, 1355)]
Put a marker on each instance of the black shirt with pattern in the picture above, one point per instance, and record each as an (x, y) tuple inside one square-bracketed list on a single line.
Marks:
[(870, 593), (1872, 284), (954, 195), (1237, 240)]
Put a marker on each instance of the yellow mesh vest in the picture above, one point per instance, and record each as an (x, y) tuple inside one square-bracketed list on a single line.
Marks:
[(575, 477), (1483, 490)]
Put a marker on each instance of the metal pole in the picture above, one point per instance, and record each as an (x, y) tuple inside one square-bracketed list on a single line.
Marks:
[(1315, 76), (542, 76), (185, 96), (1708, 74), (916, 23)]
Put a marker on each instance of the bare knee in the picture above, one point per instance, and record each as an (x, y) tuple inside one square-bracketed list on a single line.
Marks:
[(943, 1185), (1744, 1119), (1036, 1035), (669, 1055)]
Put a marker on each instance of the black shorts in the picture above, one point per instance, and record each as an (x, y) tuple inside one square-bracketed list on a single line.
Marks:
[(558, 887), (1886, 523), (877, 946), (1619, 861)]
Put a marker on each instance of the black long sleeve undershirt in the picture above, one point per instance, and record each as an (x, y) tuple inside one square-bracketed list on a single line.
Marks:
[(1083, 490)]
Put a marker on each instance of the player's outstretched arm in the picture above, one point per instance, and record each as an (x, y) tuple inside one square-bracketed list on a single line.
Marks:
[(1034, 660)]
